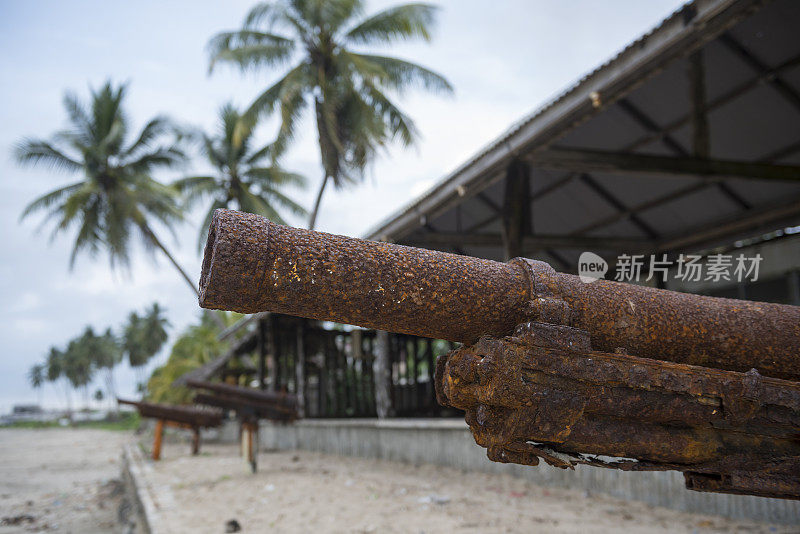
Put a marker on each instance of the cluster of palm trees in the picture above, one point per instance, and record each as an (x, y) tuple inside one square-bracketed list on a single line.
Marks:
[(347, 91), (76, 366)]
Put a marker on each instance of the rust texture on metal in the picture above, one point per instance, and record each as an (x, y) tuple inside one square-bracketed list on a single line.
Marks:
[(185, 415), (252, 265), (730, 334), (247, 402), (543, 393), (604, 374)]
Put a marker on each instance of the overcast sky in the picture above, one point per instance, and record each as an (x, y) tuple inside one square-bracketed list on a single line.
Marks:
[(505, 58)]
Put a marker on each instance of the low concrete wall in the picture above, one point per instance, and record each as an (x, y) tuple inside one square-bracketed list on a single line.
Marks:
[(137, 491), (449, 443)]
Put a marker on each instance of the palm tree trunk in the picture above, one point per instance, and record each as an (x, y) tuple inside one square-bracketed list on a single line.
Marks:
[(112, 390), (69, 400), (312, 220), (140, 379), (157, 242)]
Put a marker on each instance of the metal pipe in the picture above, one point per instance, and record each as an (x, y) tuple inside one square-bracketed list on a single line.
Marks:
[(252, 265)]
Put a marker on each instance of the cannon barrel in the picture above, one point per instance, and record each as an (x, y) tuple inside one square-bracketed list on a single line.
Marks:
[(279, 401), (252, 265), (180, 414)]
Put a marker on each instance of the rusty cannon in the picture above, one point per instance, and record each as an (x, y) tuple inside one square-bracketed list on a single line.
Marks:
[(250, 406), (249, 403), (186, 417), (551, 368)]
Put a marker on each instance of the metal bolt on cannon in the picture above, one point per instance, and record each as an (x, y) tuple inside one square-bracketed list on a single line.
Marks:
[(605, 374)]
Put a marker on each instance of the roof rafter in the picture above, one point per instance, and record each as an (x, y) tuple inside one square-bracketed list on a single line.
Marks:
[(761, 68), (675, 195), (739, 222), (618, 162), (619, 205), (531, 243), (698, 115)]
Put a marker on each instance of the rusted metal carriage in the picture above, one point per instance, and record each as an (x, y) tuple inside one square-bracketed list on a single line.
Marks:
[(605, 374)]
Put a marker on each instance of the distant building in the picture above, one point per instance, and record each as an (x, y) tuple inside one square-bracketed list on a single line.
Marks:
[(26, 409)]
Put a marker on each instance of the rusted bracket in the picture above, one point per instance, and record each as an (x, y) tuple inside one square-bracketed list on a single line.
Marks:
[(544, 394)]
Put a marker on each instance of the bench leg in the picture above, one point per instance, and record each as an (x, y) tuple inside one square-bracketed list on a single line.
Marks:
[(159, 433), (254, 447), (195, 441), (249, 445)]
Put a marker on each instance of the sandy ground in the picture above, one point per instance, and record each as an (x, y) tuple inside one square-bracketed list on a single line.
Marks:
[(60, 480), (309, 492)]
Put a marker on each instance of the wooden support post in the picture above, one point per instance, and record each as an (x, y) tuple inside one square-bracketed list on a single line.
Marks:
[(272, 379), (382, 371), (243, 439), (195, 441), (431, 359), (516, 208), (159, 434), (356, 344), (701, 140), (254, 448), (262, 353), (343, 389), (249, 438), (793, 279), (323, 405), (331, 364), (300, 370)]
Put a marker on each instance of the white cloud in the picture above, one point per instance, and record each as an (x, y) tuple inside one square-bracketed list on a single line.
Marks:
[(28, 327), (29, 301)]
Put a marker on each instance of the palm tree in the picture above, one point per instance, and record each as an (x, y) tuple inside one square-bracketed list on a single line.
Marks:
[(348, 90), (78, 362), (54, 370), (133, 346), (116, 195), (143, 338), (242, 179), (107, 354), (155, 329), (36, 378)]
